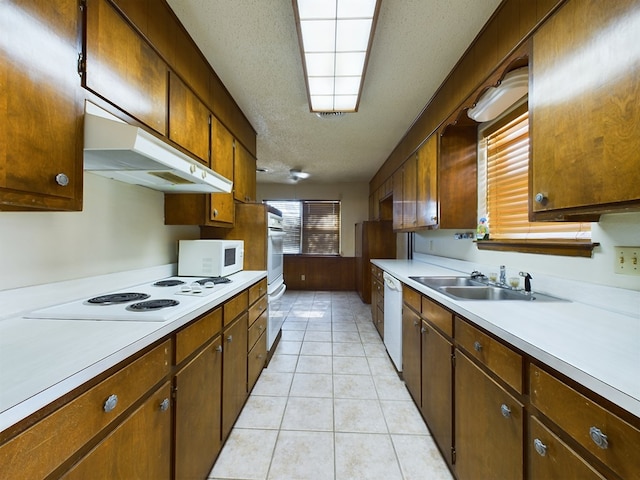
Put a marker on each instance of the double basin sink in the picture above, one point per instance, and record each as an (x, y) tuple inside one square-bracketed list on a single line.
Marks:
[(468, 288)]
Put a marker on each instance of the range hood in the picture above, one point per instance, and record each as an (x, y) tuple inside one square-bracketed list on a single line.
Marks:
[(130, 154)]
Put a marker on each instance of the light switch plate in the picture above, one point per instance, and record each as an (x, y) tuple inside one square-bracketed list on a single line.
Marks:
[(627, 260)]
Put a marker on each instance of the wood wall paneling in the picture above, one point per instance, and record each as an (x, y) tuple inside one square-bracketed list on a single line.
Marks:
[(330, 273)]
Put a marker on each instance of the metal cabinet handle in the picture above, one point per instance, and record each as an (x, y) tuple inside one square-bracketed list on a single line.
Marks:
[(599, 438), (415, 323), (505, 410), (164, 405), (62, 179), (219, 348), (477, 346), (423, 330), (541, 198), (110, 403), (215, 212), (540, 447), (230, 338)]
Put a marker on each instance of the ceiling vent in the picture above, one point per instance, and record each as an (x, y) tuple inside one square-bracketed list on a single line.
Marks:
[(330, 114)]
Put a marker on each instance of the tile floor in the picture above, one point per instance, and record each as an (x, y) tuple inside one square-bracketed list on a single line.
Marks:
[(330, 405)]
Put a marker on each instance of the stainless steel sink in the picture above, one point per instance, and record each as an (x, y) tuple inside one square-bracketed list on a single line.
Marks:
[(467, 288), (436, 282)]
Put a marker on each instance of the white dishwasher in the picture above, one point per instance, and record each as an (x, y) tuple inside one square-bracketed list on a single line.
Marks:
[(393, 319)]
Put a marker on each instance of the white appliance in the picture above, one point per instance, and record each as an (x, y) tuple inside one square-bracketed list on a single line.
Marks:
[(393, 319), (117, 150), (275, 270), (165, 300), (210, 258)]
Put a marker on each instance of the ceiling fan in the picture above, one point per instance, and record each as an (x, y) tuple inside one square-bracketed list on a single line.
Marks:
[(296, 174)]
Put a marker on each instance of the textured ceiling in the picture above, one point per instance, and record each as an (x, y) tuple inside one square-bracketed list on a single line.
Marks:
[(253, 47)]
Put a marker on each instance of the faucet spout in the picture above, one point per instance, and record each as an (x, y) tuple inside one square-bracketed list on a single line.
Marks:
[(503, 275)]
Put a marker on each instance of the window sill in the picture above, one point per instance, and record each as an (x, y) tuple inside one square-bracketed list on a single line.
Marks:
[(567, 248)]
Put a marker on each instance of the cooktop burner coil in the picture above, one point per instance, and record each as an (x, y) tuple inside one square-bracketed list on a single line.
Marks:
[(116, 298), (168, 283), (152, 305), (215, 280)]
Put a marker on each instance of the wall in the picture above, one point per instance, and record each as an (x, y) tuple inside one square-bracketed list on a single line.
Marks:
[(613, 230), (354, 204), (121, 228)]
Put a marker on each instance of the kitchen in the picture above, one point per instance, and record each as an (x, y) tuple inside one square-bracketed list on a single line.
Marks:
[(40, 248)]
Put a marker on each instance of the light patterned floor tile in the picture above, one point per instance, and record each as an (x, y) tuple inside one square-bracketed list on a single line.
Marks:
[(246, 455), (419, 454), (316, 348), (312, 385), (366, 456), (354, 386), (262, 412), (314, 364), (403, 417), (304, 413), (303, 456), (273, 384), (351, 365), (283, 363), (363, 416)]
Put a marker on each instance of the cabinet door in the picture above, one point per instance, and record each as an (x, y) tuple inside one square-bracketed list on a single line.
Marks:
[(123, 68), (437, 387), (139, 448), (489, 426), (411, 324), (234, 372), (244, 178), (189, 119), (222, 148), (41, 107), (198, 408), (427, 176), (552, 459), (585, 137), (398, 187), (409, 192)]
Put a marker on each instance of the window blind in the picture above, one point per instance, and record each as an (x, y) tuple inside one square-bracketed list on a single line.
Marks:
[(507, 186), (312, 227)]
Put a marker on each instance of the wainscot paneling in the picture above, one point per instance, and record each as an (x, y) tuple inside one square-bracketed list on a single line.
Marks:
[(319, 272)]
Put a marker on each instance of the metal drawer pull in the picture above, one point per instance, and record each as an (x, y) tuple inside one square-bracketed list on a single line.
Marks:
[(423, 330), (62, 179), (164, 405), (477, 346), (219, 348), (230, 338), (599, 438), (540, 447), (506, 411), (110, 403)]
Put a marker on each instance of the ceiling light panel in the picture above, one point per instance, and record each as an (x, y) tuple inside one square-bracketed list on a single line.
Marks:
[(335, 36)]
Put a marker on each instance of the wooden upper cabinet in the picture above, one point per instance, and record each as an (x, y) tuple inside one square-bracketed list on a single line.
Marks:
[(222, 143), (398, 191), (458, 178), (41, 106), (189, 119), (584, 106), (244, 177), (427, 181), (123, 68), (409, 191)]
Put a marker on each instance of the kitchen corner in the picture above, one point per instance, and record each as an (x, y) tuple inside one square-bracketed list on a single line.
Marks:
[(590, 343), (50, 358)]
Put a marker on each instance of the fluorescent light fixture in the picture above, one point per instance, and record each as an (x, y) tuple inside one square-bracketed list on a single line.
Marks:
[(496, 100), (335, 38)]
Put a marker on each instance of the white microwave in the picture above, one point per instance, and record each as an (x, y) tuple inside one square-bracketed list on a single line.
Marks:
[(210, 258)]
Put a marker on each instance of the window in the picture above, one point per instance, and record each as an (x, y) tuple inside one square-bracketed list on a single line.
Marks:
[(504, 184), (312, 227)]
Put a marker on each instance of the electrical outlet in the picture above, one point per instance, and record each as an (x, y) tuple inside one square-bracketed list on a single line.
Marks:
[(627, 260), (302, 277)]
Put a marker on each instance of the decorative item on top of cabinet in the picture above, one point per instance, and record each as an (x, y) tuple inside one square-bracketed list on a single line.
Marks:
[(585, 134), (41, 140), (189, 120), (121, 67)]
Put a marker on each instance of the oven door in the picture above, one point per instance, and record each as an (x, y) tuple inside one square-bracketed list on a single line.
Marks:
[(275, 257)]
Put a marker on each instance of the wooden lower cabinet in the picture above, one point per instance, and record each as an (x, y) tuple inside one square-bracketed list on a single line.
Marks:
[(198, 405), (234, 371), (489, 426), (437, 387), (411, 360), (139, 448), (552, 459)]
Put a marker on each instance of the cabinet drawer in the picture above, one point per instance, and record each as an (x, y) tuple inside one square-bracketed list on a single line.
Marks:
[(37, 451), (550, 457), (499, 358), (235, 306), (411, 298), (189, 339), (257, 290), (438, 316), (256, 309), (588, 423), (258, 328), (255, 360)]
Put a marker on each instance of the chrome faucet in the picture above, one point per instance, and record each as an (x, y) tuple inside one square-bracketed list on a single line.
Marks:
[(527, 281), (503, 275)]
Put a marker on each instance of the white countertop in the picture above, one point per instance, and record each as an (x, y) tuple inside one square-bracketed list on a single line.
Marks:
[(594, 346), (41, 360)]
